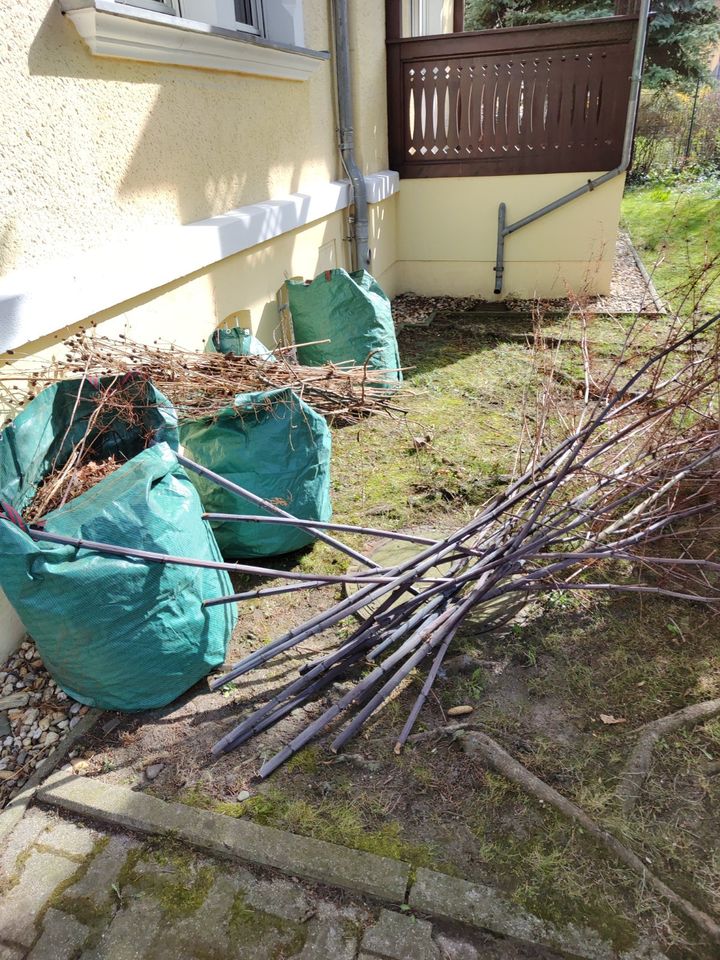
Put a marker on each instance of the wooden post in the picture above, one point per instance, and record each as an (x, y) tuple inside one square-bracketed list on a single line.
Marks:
[(393, 19), (625, 8), (458, 16)]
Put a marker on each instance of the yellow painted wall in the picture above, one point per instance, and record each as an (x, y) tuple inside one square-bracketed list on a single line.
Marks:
[(447, 235), (186, 312), (94, 149)]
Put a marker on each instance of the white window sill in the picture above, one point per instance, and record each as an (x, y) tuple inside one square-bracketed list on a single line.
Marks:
[(42, 300), (113, 29)]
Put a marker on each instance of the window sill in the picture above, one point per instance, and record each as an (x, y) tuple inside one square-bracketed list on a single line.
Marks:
[(116, 30)]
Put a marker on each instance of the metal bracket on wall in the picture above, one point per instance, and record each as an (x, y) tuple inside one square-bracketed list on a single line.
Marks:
[(505, 229)]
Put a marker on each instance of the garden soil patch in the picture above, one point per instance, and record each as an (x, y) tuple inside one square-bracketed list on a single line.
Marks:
[(538, 686)]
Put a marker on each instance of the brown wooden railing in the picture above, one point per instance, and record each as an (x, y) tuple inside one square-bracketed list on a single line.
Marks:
[(545, 99)]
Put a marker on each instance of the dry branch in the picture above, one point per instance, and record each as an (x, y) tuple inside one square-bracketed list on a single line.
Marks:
[(509, 767), (631, 479), (638, 766), (202, 384)]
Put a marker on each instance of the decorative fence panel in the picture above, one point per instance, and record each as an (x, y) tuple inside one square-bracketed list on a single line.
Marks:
[(545, 99)]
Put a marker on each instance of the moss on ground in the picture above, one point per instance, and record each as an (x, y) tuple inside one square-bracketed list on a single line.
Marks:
[(252, 927), (355, 821), (169, 872)]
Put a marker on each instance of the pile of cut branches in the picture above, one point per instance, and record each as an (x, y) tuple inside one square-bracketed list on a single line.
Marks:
[(616, 505), (202, 384), (88, 462), (625, 500)]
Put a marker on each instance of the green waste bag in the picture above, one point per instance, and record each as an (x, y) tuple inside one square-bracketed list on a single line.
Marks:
[(353, 312), (277, 447), (116, 633), (238, 340)]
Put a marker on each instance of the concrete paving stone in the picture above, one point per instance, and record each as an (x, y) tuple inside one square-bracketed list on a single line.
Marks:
[(480, 906), (203, 933), (96, 885), (280, 898), (22, 837), (453, 949), (130, 934), (344, 914), (297, 856), (41, 875), (327, 940), (61, 938), (399, 937), (70, 839), (8, 952)]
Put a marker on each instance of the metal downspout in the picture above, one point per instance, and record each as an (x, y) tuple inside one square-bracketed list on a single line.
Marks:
[(347, 134), (505, 229)]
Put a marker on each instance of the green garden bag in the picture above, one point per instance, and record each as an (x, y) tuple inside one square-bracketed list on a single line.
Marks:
[(116, 633), (277, 447), (240, 341), (353, 313)]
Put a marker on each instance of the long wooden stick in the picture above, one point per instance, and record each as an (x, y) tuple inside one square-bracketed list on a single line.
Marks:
[(511, 768)]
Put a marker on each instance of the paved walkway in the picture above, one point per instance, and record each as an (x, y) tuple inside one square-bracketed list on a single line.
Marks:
[(70, 890)]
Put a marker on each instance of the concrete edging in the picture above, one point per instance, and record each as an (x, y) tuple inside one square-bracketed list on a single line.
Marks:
[(428, 892), (317, 860)]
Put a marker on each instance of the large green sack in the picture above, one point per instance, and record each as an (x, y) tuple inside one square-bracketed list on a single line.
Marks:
[(277, 447), (115, 633), (353, 312)]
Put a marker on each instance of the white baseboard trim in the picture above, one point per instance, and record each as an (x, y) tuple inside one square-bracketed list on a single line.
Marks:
[(42, 300), (11, 629)]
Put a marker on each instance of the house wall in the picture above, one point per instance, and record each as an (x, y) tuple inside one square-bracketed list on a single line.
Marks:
[(447, 236), (105, 157), (103, 153), (99, 153)]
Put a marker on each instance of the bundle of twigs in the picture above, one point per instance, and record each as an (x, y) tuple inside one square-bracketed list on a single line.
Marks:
[(636, 470), (87, 463), (202, 384)]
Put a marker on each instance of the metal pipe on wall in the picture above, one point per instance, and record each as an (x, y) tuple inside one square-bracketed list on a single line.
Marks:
[(346, 132), (505, 229)]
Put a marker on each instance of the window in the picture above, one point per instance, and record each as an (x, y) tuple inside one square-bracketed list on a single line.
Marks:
[(248, 15), (159, 6), (245, 15), (260, 37)]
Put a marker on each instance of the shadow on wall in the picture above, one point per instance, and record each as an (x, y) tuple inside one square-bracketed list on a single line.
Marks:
[(186, 144), (58, 51)]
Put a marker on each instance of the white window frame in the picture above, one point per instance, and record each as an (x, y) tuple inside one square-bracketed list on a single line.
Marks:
[(216, 13), (137, 30), (221, 13), (157, 6), (258, 24)]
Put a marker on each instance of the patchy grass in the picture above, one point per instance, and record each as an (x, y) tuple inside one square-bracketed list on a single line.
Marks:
[(675, 231), (353, 820), (539, 686)]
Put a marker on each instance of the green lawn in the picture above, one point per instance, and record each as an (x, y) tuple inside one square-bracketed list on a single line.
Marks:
[(676, 232)]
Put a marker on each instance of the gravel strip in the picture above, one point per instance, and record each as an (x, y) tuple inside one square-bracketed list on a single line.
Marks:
[(35, 714), (629, 293)]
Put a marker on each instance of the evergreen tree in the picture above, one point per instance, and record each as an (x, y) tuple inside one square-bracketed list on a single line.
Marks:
[(682, 32)]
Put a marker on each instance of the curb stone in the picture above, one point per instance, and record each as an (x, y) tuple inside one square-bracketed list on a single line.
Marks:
[(433, 894), (217, 834), (474, 904)]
